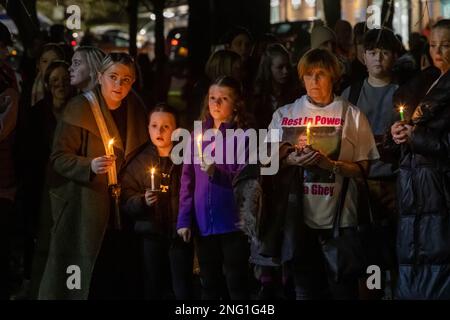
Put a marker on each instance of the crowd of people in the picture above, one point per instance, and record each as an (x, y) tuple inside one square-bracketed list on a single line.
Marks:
[(88, 183)]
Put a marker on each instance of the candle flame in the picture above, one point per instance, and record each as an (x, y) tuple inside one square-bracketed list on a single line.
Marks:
[(111, 142), (152, 171), (199, 138), (402, 108), (308, 125)]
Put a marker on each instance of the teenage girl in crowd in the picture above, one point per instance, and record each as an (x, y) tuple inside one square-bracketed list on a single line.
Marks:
[(207, 203)]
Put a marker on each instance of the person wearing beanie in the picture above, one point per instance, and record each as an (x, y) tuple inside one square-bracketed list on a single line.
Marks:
[(323, 37)]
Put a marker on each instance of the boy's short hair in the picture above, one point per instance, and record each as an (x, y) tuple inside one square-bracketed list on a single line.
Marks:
[(164, 107), (381, 39)]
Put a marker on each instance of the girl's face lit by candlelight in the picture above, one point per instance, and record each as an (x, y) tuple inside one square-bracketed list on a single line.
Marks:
[(160, 129), (221, 103)]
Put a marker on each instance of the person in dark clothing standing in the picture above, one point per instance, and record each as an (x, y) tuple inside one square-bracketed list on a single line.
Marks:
[(9, 99), (423, 246), (167, 261)]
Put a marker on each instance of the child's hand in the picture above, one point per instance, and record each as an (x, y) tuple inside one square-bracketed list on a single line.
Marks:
[(184, 233), (150, 198), (102, 164), (208, 168)]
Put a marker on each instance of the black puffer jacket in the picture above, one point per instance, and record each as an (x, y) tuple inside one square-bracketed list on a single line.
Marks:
[(423, 241)]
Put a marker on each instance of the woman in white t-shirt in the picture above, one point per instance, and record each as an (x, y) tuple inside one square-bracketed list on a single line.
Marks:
[(338, 138)]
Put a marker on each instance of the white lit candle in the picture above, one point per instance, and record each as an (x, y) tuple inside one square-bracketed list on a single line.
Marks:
[(199, 146), (112, 174), (308, 134), (152, 171)]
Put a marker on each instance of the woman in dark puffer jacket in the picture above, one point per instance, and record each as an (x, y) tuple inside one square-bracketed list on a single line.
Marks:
[(423, 241)]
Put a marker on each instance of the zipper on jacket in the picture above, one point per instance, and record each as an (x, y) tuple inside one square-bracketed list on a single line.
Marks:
[(211, 220)]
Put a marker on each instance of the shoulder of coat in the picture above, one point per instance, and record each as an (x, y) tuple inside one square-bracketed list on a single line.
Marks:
[(77, 109)]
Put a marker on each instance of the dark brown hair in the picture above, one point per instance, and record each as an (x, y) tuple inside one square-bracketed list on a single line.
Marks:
[(240, 115), (164, 107)]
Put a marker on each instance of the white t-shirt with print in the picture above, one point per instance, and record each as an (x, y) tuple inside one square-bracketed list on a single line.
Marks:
[(348, 139)]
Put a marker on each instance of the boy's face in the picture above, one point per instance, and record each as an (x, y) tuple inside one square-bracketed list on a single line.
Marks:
[(379, 62), (160, 129)]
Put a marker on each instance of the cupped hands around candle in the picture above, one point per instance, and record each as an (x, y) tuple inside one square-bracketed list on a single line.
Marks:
[(101, 165), (400, 132), (150, 197), (306, 157)]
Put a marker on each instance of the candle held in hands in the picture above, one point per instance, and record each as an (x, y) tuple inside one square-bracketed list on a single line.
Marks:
[(112, 174), (199, 146), (308, 134), (152, 172), (402, 115)]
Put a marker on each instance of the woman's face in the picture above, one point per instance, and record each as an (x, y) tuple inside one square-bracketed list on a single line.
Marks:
[(160, 129), (242, 45), (47, 58), (319, 85), (116, 83), (221, 103), (59, 83), (79, 71), (280, 69), (440, 48)]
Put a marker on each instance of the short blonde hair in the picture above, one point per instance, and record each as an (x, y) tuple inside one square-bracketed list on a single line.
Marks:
[(320, 58)]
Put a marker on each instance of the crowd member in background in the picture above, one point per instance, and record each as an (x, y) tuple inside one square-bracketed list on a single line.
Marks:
[(208, 208), (85, 217), (423, 184), (167, 260), (325, 38), (239, 40), (86, 63), (358, 70), (275, 85), (49, 53), (9, 105), (41, 122), (344, 39)]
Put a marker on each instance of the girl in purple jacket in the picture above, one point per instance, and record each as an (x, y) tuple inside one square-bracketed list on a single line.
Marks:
[(207, 203)]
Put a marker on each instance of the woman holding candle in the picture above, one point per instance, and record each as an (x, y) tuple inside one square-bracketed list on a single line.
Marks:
[(207, 203), (423, 184), (83, 234), (308, 186), (166, 259)]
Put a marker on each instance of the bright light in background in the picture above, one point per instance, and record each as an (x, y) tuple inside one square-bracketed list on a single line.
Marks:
[(296, 3), (274, 3), (168, 14), (177, 36), (142, 32), (75, 35), (311, 3), (152, 16)]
